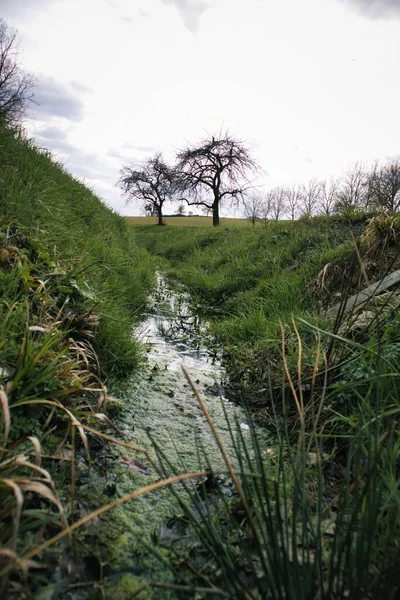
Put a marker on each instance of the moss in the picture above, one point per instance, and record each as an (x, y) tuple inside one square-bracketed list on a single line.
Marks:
[(126, 588), (158, 404)]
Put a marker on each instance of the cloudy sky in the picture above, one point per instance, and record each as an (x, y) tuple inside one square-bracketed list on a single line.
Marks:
[(311, 85)]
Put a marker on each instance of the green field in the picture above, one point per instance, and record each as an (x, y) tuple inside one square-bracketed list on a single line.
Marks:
[(189, 221)]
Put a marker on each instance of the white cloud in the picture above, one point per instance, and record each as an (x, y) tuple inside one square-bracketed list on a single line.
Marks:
[(310, 85), (191, 11)]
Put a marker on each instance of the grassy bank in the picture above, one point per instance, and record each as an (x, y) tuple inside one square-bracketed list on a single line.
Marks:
[(95, 251), (73, 283), (317, 513), (249, 281)]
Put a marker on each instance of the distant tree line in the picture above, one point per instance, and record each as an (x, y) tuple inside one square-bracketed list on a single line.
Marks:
[(376, 188)]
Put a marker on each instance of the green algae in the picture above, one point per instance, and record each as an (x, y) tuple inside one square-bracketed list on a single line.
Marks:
[(129, 542), (127, 587)]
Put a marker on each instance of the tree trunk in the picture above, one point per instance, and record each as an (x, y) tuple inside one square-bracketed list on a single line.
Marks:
[(159, 212), (215, 214)]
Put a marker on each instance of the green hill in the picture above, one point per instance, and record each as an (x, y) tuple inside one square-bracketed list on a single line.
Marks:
[(73, 283), (94, 249)]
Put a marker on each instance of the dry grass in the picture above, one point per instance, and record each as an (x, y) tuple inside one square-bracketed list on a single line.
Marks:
[(189, 221)]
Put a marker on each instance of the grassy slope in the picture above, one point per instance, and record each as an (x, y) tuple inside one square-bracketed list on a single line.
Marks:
[(92, 242), (248, 281), (72, 284)]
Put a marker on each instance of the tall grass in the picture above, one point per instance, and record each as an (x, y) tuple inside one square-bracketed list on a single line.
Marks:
[(92, 247), (73, 283), (310, 516), (247, 280)]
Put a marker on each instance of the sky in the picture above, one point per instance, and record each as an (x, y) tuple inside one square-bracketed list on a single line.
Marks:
[(311, 86)]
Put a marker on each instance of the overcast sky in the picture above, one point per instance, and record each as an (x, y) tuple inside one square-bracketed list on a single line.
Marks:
[(311, 85)]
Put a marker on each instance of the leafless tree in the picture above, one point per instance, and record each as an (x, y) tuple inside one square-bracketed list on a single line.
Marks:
[(266, 207), (352, 193), (16, 87), (253, 207), (277, 199), (151, 183), (329, 195), (215, 170), (207, 211), (383, 186), (293, 200), (310, 197), (181, 210)]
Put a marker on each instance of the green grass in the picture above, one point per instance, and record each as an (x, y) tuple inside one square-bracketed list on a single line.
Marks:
[(73, 282), (249, 281), (308, 520), (189, 221), (92, 246)]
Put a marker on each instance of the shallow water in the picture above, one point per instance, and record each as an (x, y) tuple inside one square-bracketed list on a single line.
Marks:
[(158, 403), (162, 399)]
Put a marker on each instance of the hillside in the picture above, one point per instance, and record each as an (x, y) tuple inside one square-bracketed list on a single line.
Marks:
[(94, 249), (73, 283)]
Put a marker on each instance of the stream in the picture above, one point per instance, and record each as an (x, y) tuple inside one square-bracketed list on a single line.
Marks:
[(162, 400), (158, 401)]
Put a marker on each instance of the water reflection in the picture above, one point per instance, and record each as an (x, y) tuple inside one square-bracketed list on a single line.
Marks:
[(175, 334)]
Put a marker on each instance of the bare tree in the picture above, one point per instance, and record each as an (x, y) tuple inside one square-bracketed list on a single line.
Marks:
[(181, 210), (293, 197), (277, 198), (253, 207), (266, 207), (151, 184), (329, 195), (15, 85), (310, 197), (207, 211), (383, 186), (213, 171), (352, 192)]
